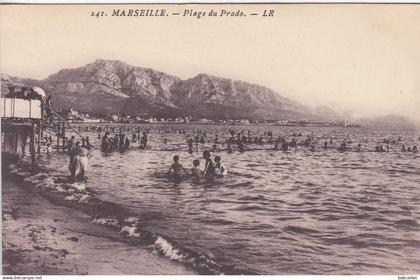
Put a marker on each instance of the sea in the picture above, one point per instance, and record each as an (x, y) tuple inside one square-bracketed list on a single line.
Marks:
[(275, 212)]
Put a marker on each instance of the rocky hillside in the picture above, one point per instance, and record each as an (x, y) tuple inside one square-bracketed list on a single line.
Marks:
[(212, 97), (104, 85)]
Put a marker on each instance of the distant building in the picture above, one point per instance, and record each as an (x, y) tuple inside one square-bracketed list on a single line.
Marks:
[(204, 120), (92, 120), (114, 118)]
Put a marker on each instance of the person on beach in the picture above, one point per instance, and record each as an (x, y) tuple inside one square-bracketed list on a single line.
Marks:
[(220, 169), (176, 168), (415, 149), (209, 170), (73, 151), (79, 163), (195, 170), (71, 145)]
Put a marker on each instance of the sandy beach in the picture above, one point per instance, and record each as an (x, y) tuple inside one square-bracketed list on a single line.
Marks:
[(40, 237)]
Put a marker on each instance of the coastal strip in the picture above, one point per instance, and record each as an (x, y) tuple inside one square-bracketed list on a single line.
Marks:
[(40, 237), (95, 218)]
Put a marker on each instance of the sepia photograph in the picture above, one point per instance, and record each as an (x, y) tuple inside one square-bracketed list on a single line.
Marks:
[(210, 139)]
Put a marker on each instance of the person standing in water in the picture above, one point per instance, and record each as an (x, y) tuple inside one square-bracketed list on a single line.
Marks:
[(195, 170), (176, 167), (209, 170), (106, 143), (190, 145), (71, 145), (87, 142), (219, 167), (79, 164), (143, 141)]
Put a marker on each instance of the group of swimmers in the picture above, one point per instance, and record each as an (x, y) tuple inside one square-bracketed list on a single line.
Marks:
[(211, 169), (120, 142), (234, 139), (409, 149)]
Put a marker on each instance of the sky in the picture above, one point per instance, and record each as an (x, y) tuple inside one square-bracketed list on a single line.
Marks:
[(362, 60)]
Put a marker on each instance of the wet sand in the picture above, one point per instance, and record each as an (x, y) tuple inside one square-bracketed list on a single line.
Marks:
[(40, 237)]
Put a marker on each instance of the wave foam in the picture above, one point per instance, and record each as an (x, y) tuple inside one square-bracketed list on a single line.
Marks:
[(130, 231), (168, 250), (131, 220), (106, 221), (79, 187)]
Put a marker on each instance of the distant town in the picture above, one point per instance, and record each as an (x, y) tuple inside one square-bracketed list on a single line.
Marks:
[(74, 116)]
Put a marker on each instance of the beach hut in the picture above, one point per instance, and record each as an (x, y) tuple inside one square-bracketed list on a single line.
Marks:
[(21, 118)]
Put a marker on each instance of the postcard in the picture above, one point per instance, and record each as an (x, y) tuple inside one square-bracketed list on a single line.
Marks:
[(210, 139)]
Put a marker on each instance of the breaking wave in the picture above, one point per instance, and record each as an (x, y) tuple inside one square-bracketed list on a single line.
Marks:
[(125, 224)]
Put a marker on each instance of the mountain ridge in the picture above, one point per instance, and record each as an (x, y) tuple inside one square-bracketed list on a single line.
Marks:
[(99, 86)]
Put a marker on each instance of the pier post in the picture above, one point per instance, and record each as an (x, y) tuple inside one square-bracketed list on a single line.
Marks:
[(58, 136), (39, 140), (33, 134), (15, 143), (64, 136)]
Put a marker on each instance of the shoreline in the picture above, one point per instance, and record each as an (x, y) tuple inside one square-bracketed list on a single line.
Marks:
[(268, 124), (40, 237), (110, 220)]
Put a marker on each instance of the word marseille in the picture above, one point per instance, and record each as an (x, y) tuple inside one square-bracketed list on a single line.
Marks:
[(139, 13)]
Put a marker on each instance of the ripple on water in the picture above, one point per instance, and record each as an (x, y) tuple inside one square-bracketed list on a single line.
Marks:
[(300, 212)]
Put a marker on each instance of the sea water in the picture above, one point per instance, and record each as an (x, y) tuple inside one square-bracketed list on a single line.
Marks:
[(300, 212)]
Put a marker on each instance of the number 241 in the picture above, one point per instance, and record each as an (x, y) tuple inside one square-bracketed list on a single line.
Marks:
[(97, 14)]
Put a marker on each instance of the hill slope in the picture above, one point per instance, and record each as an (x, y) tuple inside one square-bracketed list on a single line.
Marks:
[(103, 85)]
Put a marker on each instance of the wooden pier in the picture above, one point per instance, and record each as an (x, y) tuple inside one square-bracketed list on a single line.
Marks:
[(23, 116), (16, 134)]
